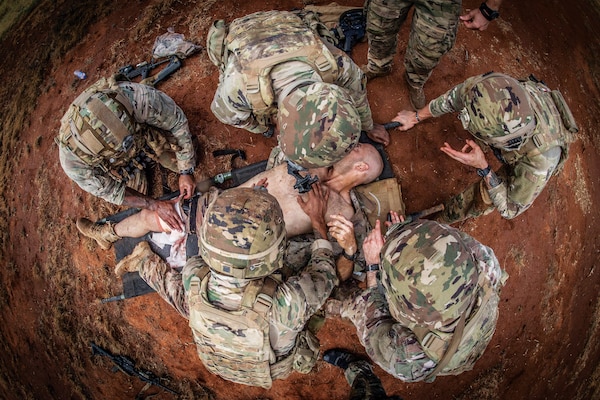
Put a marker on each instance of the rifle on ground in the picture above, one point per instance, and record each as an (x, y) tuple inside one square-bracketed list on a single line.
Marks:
[(236, 176), (143, 70), (127, 366), (423, 213)]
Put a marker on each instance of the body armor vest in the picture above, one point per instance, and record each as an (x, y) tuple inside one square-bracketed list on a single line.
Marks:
[(555, 125), (234, 344), (262, 40)]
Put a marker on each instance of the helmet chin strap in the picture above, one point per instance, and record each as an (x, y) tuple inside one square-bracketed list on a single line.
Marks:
[(303, 183)]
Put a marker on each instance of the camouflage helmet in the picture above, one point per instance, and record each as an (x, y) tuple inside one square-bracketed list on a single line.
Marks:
[(318, 125), (101, 124), (243, 234), (428, 273), (498, 111)]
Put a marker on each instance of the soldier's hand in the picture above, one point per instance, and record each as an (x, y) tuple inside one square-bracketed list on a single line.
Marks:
[(373, 244), (406, 118), (342, 230), (314, 205), (166, 211), (394, 218), (475, 20), (186, 186), (470, 154), (379, 134)]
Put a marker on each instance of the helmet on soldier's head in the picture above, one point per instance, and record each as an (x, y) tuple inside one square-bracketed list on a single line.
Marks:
[(429, 276), (243, 234), (500, 112), (318, 125)]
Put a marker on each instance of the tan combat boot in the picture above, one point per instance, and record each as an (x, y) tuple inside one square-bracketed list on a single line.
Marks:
[(371, 74), (141, 254), (104, 234), (416, 95)]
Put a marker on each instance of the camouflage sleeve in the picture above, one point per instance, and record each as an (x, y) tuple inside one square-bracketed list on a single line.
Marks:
[(92, 180), (451, 101), (230, 104), (155, 108), (191, 268), (301, 296), (352, 79), (389, 344), (530, 175)]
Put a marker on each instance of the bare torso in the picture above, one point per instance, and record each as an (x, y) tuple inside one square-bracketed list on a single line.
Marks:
[(280, 184)]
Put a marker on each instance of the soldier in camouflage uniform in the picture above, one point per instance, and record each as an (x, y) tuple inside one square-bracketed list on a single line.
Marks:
[(275, 70), (434, 308), (529, 128), (248, 323), (432, 34), (107, 136)]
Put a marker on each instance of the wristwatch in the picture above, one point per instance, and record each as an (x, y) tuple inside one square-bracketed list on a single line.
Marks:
[(350, 257), (483, 172), (488, 13), (372, 267), (189, 171)]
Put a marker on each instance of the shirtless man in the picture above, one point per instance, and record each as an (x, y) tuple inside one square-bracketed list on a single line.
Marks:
[(362, 165)]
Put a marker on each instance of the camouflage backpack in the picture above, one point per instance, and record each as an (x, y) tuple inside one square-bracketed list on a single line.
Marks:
[(517, 118), (258, 44), (235, 344), (99, 127)]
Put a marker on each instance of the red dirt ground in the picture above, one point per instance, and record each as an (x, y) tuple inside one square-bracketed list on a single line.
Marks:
[(546, 345)]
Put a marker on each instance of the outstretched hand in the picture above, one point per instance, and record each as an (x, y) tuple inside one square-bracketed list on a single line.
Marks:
[(406, 118), (470, 154)]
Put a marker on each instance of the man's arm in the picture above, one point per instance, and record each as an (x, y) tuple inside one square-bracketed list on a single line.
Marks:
[(477, 20), (231, 106)]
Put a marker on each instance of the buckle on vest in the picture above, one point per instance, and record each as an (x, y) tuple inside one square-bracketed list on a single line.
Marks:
[(434, 344), (537, 141), (322, 63), (252, 87)]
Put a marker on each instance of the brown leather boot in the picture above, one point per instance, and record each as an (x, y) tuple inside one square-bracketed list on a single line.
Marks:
[(132, 263), (103, 234)]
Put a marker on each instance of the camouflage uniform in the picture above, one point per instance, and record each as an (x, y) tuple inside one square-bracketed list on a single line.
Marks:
[(526, 170), (433, 34), (392, 344), (232, 106), (294, 300), (151, 109)]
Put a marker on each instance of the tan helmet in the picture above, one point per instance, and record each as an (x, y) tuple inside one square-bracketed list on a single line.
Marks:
[(243, 234), (318, 125), (498, 111), (429, 275)]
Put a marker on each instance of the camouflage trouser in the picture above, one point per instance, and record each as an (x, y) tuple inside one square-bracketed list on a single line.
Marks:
[(167, 283), (365, 384), (432, 34), (473, 202)]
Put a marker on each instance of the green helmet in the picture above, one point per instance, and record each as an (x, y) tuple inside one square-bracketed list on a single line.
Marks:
[(243, 234), (498, 111), (429, 275), (318, 125)]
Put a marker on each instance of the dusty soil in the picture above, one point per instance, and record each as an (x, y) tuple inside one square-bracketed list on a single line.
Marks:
[(547, 343)]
